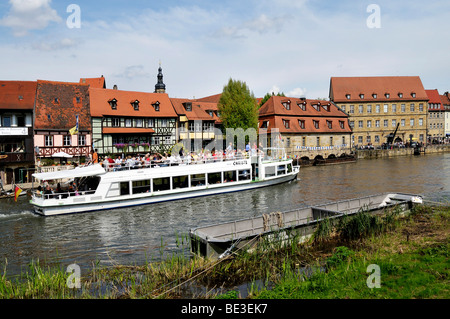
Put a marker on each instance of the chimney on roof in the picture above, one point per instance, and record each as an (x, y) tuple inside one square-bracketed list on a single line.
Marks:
[(115, 87)]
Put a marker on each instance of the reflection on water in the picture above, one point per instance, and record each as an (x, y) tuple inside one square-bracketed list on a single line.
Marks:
[(134, 235)]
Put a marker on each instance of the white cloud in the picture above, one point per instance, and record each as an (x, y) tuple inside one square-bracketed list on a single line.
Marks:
[(133, 72), (297, 92), (51, 45), (26, 15)]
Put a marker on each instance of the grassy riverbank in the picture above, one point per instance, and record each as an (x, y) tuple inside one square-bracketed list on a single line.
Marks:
[(411, 252)]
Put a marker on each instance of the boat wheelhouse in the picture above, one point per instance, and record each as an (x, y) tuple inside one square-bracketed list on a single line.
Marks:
[(95, 187)]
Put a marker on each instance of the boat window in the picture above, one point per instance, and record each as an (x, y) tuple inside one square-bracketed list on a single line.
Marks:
[(180, 181), (161, 184), (244, 175), (140, 187), (270, 171), (229, 176), (281, 170), (124, 188), (214, 178), (198, 180)]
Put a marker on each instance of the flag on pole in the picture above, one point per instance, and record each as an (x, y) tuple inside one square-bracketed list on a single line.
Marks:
[(17, 192), (74, 130)]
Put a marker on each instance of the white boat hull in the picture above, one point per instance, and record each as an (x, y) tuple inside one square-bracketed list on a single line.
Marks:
[(92, 203)]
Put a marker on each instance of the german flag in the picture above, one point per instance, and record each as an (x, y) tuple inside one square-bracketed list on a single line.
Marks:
[(17, 192)]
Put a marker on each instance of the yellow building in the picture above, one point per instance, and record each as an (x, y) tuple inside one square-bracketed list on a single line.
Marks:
[(380, 106)]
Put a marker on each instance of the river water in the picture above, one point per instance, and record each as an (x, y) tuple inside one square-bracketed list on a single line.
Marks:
[(142, 234)]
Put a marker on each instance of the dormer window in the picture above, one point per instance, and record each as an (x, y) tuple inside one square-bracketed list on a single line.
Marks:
[(286, 123), (316, 106), (341, 124), (316, 124), (361, 96), (302, 105), (387, 95), (374, 95), (156, 106), (287, 105), (265, 124), (330, 124), (413, 94), (135, 105), (348, 96), (211, 113), (301, 123), (56, 100), (400, 94), (113, 104), (188, 106), (327, 107)]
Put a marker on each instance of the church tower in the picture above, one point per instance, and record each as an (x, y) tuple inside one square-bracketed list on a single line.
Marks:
[(160, 87)]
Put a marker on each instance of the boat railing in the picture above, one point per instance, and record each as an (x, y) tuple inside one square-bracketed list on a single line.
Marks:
[(46, 195)]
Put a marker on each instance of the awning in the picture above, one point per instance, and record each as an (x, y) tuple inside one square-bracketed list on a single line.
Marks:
[(62, 154), (91, 170)]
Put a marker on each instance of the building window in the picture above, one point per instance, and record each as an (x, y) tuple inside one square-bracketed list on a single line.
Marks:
[(368, 139), (377, 123), (316, 124), (387, 95), (128, 123), (413, 94), (48, 140), (331, 140), (348, 96), (188, 106), (352, 109), (139, 123), (343, 108), (374, 95), (287, 105), (288, 142), (113, 104), (386, 106), (400, 95), (403, 107), (163, 122), (377, 108), (352, 124), (360, 139), (301, 123), (343, 140), (369, 108), (341, 124), (421, 107), (156, 106), (135, 105), (394, 123), (360, 124), (421, 137), (67, 140), (394, 108), (151, 123), (330, 124), (6, 121), (385, 123), (403, 122), (361, 109), (361, 96), (369, 123), (115, 122), (377, 139), (411, 122), (421, 122), (286, 123), (302, 106), (81, 140), (318, 141), (303, 141)]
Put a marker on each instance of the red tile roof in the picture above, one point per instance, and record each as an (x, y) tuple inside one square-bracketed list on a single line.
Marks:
[(58, 103), (324, 113), (445, 99), (434, 98), (100, 103), (199, 110), (98, 83), (340, 87), (17, 95)]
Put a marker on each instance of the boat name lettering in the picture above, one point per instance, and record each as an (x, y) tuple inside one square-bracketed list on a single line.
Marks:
[(240, 162)]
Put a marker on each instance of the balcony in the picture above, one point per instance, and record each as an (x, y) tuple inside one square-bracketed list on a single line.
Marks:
[(8, 158)]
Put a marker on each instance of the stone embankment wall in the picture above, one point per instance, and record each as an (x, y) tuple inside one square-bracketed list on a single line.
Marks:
[(369, 154)]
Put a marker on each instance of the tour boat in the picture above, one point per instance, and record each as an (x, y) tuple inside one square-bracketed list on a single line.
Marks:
[(94, 188)]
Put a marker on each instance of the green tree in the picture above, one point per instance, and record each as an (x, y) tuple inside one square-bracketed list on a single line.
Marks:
[(238, 107), (268, 96)]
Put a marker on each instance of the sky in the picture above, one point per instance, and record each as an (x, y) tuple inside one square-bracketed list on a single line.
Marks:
[(289, 46)]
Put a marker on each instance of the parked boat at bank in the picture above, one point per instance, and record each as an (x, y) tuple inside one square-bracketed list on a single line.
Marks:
[(93, 188), (215, 241)]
